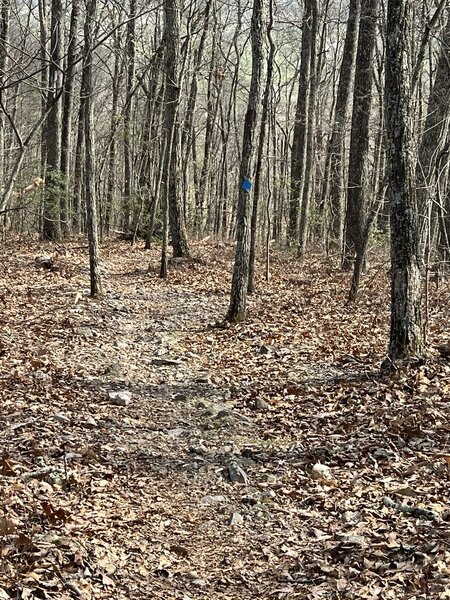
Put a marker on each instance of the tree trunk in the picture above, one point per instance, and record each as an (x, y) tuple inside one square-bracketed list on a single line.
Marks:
[(406, 328), (4, 40), (127, 119), (310, 152), (54, 190), (239, 286), (112, 152), (180, 244), (359, 139), (301, 122), (188, 125), (333, 193), (66, 133), (91, 200), (262, 138), (78, 179), (43, 54)]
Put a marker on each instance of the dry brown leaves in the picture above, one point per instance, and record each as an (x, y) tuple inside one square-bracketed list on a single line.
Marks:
[(107, 501)]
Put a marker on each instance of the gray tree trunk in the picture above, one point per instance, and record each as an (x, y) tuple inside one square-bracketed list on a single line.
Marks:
[(67, 110), (358, 175), (333, 193), (171, 178), (90, 187), (301, 122), (112, 152), (4, 52), (128, 199), (239, 286), (54, 189), (406, 328), (265, 116), (310, 151)]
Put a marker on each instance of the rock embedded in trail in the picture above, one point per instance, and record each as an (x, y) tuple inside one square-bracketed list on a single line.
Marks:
[(120, 398), (235, 519), (210, 500), (166, 362), (262, 405), (236, 473)]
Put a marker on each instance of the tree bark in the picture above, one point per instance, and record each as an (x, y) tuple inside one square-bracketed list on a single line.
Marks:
[(406, 328), (171, 178), (239, 286), (4, 38), (333, 193), (127, 119), (359, 139), (54, 190), (310, 152), (301, 122), (67, 110), (91, 200), (261, 142)]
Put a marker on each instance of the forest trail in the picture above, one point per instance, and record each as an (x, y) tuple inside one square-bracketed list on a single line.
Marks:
[(197, 481)]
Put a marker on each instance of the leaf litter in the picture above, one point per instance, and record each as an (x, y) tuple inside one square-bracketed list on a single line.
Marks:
[(146, 453)]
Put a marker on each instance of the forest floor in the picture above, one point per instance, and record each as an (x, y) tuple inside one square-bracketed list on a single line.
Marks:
[(270, 459)]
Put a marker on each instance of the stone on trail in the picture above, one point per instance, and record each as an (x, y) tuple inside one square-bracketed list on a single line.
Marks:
[(237, 474), (165, 362), (235, 519), (120, 398), (209, 500), (262, 405), (321, 472)]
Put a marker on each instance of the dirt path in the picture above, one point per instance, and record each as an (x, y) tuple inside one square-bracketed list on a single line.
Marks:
[(127, 501), (199, 484)]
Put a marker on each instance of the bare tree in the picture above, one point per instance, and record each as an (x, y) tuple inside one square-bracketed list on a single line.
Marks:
[(91, 199), (406, 327), (333, 181), (359, 139), (54, 189), (239, 287), (67, 110), (171, 173), (301, 122)]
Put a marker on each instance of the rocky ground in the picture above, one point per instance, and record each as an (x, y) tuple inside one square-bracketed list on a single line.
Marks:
[(146, 453)]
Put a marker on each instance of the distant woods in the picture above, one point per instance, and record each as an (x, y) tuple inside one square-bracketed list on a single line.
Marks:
[(145, 119)]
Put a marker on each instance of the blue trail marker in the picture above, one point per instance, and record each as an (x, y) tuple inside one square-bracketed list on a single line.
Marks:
[(246, 185)]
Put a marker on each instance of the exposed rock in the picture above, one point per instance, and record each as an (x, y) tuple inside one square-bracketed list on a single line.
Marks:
[(120, 398), (165, 362), (382, 454), (321, 472), (235, 519), (45, 262), (199, 450), (114, 370), (84, 331), (89, 423), (262, 405), (237, 474), (203, 377), (222, 414), (210, 500), (61, 418)]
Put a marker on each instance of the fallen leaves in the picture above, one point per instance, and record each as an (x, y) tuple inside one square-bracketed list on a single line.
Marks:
[(143, 450)]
